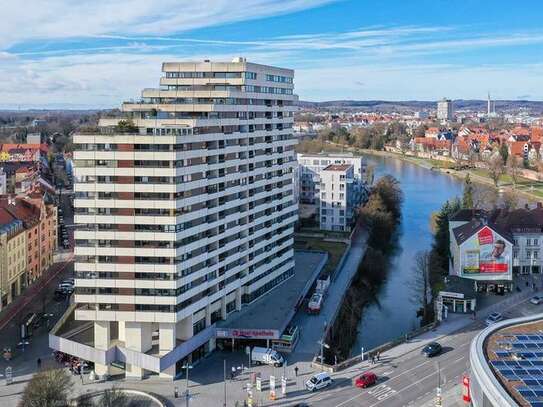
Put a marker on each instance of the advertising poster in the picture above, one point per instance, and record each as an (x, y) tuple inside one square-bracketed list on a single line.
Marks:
[(486, 252)]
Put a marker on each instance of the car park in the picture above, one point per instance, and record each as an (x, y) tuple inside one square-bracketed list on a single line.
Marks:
[(431, 350), (536, 300), (493, 318), (365, 380), (318, 381)]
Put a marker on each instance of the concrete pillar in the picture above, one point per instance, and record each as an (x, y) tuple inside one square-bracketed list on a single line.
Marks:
[(102, 340), (167, 340), (238, 299), (138, 337), (185, 328), (122, 336), (223, 308), (208, 316)]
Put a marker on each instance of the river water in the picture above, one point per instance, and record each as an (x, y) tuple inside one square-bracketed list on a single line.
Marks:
[(392, 312)]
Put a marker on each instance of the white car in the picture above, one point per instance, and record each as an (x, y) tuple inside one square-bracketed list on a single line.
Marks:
[(493, 318), (318, 381), (536, 300)]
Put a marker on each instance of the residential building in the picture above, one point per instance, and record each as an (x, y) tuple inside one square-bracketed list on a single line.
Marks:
[(13, 257), (33, 138), (38, 214), (311, 167), (184, 214), (445, 110), (491, 247), (3, 182), (339, 197)]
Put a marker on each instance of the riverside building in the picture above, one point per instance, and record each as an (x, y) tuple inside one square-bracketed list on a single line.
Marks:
[(184, 212)]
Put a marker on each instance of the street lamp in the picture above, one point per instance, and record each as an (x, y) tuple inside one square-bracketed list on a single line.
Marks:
[(187, 367), (323, 345)]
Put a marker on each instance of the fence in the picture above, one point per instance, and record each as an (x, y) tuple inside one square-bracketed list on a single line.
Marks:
[(381, 348)]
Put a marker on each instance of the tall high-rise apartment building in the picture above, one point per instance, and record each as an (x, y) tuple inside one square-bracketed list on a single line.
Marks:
[(445, 109), (184, 212)]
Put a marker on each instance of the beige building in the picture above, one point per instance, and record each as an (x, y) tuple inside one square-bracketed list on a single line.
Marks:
[(184, 214), (12, 257)]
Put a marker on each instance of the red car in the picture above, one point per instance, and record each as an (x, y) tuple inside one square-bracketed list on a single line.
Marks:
[(366, 380)]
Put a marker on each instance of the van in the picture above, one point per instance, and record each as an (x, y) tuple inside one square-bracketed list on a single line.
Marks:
[(266, 356), (318, 381)]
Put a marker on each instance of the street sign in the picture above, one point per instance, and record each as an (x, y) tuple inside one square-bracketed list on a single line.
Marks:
[(258, 383), (9, 375), (283, 385), (272, 383)]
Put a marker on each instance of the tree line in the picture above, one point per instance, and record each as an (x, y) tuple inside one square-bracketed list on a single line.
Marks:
[(379, 217)]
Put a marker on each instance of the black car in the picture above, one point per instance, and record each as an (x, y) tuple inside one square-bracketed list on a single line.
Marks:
[(432, 349)]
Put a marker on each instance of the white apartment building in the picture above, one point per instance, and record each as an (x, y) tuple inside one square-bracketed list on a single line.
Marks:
[(183, 215), (311, 167), (339, 197), (445, 109)]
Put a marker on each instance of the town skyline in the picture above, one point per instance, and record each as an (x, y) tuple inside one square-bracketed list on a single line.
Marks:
[(72, 57)]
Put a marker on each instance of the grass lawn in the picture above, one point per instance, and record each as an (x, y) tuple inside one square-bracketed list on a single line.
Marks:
[(335, 250)]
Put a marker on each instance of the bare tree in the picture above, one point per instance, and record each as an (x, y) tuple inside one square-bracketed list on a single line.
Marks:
[(421, 283), (495, 168), (513, 169), (48, 388)]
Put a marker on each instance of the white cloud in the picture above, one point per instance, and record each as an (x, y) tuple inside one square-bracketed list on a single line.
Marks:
[(56, 19)]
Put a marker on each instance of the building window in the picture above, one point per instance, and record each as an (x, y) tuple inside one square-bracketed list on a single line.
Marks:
[(199, 326), (535, 254), (528, 242)]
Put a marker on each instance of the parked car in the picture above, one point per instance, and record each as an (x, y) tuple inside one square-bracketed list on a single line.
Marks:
[(431, 350), (318, 381), (536, 300), (68, 288), (493, 318), (70, 281), (367, 379)]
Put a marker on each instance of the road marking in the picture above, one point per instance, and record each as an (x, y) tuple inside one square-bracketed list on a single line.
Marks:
[(400, 390), (420, 380)]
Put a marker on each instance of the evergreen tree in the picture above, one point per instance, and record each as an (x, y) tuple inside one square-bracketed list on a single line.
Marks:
[(467, 197)]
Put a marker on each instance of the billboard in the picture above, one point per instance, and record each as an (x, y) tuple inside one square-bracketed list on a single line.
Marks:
[(486, 252)]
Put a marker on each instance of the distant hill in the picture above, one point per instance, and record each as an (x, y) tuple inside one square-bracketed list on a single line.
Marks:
[(418, 105)]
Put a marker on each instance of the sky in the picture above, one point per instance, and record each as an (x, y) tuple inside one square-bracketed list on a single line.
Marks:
[(98, 53)]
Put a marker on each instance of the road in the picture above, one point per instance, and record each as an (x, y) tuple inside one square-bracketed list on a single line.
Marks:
[(409, 380), (312, 326)]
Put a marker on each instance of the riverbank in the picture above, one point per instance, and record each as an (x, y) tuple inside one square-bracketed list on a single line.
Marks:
[(475, 175)]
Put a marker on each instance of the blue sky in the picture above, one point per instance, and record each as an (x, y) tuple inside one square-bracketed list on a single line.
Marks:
[(86, 54)]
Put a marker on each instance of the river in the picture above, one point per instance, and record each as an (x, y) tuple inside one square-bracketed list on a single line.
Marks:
[(392, 312)]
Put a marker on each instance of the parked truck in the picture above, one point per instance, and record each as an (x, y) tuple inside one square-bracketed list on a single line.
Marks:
[(266, 356), (315, 302)]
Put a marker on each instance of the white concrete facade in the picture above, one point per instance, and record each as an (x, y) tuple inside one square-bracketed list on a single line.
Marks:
[(445, 110), (310, 167), (188, 212), (339, 197)]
